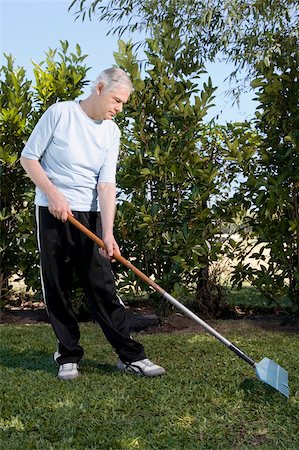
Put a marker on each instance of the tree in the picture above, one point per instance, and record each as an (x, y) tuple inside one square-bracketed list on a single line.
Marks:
[(262, 38), (271, 190), (244, 32), (168, 170), (59, 78), (16, 104)]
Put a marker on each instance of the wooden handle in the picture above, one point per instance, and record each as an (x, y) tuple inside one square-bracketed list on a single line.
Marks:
[(117, 256)]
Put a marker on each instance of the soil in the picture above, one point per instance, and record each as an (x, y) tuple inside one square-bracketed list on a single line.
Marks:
[(144, 320)]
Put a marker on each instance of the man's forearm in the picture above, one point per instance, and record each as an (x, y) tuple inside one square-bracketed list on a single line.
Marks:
[(57, 204), (107, 195), (38, 176)]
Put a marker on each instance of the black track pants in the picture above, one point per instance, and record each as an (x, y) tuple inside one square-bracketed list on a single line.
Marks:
[(63, 250)]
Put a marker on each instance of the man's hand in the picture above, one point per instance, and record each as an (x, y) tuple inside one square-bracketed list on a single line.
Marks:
[(111, 246), (58, 205), (106, 192)]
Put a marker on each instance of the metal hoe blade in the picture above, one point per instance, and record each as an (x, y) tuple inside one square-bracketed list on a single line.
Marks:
[(273, 374)]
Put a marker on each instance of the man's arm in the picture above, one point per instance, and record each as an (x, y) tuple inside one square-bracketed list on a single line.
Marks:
[(107, 201), (58, 206)]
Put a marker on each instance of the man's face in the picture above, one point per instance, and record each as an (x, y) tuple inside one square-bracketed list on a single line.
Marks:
[(111, 102)]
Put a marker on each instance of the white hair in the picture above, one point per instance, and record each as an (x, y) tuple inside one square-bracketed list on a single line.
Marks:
[(113, 78)]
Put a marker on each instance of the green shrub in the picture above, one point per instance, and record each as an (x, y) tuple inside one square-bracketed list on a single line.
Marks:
[(59, 77)]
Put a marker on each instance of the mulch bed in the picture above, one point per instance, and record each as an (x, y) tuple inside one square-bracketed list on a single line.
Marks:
[(144, 320)]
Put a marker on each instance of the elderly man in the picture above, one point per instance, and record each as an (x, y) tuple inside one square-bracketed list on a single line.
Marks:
[(71, 157)]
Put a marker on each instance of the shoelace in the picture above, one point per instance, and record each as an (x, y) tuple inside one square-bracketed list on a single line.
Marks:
[(147, 362), (69, 366)]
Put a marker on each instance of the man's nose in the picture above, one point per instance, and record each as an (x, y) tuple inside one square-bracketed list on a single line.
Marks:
[(119, 107)]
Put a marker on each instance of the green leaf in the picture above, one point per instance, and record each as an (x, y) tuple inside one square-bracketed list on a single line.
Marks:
[(145, 171)]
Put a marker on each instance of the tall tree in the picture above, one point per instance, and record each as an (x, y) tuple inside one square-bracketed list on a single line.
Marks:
[(245, 32), (271, 189), (59, 77), (169, 169)]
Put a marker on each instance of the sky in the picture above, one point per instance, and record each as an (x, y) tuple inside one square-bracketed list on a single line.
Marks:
[(29, 28)]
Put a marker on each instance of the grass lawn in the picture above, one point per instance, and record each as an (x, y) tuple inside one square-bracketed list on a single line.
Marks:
[(249, 297), (209, 399)]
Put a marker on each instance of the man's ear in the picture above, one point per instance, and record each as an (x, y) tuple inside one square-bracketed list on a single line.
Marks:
[(100, 88)]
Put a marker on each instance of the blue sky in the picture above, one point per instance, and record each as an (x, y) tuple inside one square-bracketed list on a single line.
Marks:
[(29, 28)]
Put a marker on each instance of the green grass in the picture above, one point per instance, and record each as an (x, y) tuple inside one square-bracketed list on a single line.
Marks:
[(209, 399), (249, 297)]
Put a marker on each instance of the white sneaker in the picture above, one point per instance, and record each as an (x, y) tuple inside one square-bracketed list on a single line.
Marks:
[(67, 371), (144, 367)]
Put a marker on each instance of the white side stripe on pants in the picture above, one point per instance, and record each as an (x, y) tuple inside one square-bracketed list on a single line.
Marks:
[(39, 249)]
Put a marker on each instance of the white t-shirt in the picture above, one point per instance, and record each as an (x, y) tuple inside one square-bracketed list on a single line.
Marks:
[(76, 153)]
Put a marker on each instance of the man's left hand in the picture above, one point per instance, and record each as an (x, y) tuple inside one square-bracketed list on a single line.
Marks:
[(111, 246)]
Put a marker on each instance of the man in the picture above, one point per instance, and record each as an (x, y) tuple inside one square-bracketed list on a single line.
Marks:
[(71, 157)]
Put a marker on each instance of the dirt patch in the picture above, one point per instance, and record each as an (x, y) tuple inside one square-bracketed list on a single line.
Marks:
[(24, 316), (178, 323), (144, 320)]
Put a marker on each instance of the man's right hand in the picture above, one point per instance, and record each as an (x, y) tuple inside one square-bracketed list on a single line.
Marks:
[(58, 205)]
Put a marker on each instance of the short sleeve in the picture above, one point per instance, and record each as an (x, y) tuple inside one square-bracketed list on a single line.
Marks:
[(108, 169), (42, 134)]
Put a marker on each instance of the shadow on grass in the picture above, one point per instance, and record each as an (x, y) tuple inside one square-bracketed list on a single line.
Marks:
[(253, 389), (27, 360), (89, 365), (41, 360)]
